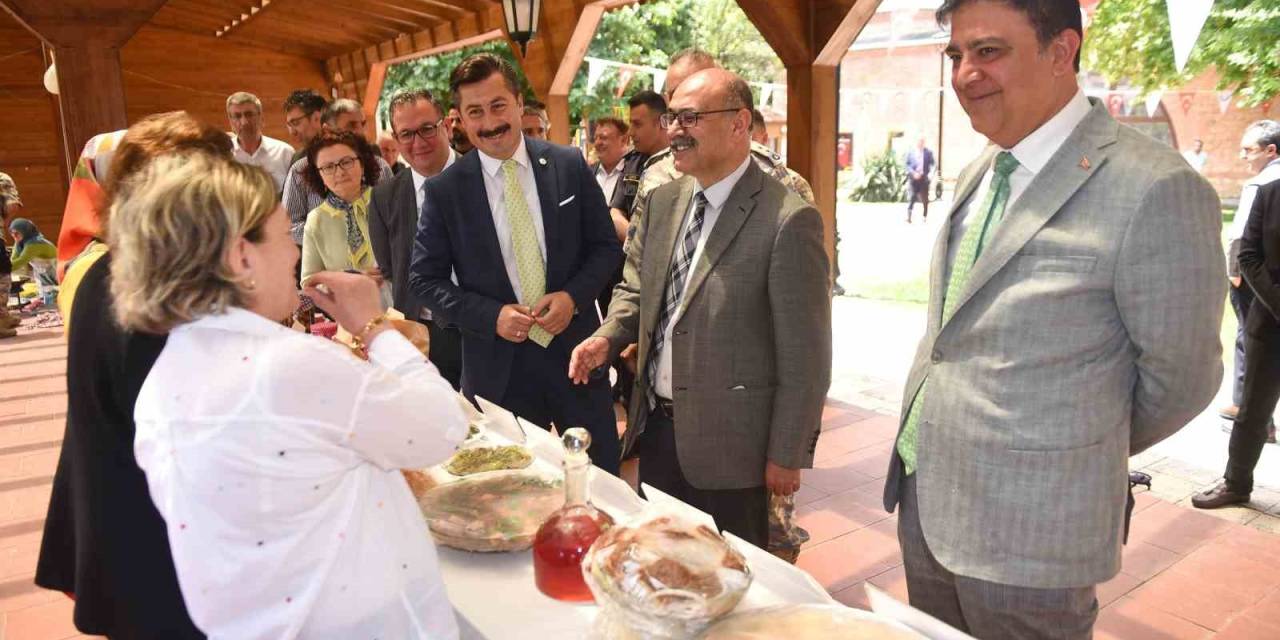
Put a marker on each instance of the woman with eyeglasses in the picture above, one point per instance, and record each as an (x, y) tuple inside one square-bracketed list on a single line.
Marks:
[(343, 167)]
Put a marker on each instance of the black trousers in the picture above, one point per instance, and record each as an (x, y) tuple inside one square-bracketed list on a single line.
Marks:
[(1261, 392), (917, 191), (445, 351), (1241, 298), (541, 392), (745, 512)]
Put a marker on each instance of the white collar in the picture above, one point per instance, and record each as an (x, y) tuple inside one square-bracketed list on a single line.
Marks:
[(419, 179), (1269, 173), (492, 165), (235, 143), (1034, 151), (616, 167), (237, 320), (717, 193)]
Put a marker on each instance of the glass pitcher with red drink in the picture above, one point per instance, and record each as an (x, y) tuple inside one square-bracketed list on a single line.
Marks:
[(564, 538)]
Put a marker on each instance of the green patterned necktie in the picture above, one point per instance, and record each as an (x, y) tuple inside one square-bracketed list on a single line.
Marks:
[(524, 240), (971, 245)]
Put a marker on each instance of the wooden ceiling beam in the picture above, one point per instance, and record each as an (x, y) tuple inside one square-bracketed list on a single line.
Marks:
[(362, 13), (86, 37), (785, 26), (422, 14)]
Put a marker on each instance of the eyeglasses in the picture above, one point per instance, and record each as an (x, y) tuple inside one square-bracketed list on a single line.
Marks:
[(345, 164), (426, 132), (688, 118), (293, 123)]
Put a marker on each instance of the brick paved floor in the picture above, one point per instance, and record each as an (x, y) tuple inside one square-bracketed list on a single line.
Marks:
[(1186, 574)]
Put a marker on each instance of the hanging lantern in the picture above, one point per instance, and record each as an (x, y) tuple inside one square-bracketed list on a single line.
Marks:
[(522, 20), (51, 79)]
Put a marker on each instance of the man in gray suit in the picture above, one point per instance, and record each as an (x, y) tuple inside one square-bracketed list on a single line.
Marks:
[(419, 127), (1076, 293), (725, 288)]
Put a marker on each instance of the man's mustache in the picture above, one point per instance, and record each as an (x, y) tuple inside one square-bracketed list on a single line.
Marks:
[(496, 131), (683, 142)]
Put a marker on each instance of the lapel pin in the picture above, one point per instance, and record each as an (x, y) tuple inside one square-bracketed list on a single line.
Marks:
[(1084, 163), (542, 161)]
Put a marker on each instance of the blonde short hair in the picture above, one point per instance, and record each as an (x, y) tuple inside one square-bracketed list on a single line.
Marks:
[(170, 234)]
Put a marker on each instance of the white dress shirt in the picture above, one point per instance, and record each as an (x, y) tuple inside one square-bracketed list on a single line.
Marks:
[(277, 475), (1032, 153), (716, 195), (493, 187), (420, 192), (608, 178), (273, 155), (420, 181)]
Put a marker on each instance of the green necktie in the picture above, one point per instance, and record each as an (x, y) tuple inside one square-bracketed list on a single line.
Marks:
[(524, 240), (975, 238)]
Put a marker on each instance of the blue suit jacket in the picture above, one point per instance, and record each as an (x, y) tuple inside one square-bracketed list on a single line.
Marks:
[(920, 162), (456, 233)]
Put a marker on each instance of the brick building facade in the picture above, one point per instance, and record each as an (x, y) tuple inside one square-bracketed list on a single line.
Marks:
[(895, 85)]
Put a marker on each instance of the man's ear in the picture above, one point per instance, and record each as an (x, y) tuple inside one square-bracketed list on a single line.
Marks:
[(1063, 48)]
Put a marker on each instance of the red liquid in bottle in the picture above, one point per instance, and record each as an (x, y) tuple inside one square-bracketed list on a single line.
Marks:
[(558, 549)]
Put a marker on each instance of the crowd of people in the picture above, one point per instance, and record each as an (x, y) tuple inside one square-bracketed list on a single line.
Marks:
[(256, 504), (1075, 301)]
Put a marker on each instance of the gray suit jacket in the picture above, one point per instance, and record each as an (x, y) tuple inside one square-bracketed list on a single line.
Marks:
[(393, 222), (751, 353), (1087, 332)]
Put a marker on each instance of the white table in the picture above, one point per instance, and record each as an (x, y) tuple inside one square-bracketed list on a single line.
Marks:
[(494, 593)]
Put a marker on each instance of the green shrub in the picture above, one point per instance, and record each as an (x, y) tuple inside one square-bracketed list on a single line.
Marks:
[(884, 179)]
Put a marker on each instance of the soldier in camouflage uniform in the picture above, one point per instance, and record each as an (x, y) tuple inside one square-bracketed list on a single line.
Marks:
[(10, 205), (661, 169)]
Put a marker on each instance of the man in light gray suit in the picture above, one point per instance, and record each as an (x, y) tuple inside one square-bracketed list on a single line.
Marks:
[(1076, 294), (725, 288)]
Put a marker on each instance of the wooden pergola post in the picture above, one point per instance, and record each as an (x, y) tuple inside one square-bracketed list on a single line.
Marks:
[(557, 97), (811, 41), (86, 37)]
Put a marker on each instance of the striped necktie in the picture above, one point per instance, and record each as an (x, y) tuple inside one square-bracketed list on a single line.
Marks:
[(674, 293)]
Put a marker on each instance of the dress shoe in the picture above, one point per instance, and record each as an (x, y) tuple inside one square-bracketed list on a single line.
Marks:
[(9, 321), (8, 333), (1229, 412), (1218, 496)]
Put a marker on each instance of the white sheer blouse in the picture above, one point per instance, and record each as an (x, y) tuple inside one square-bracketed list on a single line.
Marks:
[(274, 458)]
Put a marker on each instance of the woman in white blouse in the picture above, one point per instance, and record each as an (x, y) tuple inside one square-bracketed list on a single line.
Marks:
[(273, 455)]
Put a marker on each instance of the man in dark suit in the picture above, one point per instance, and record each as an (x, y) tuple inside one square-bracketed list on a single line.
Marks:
[(725, 291), (420, 130), (919, 164), (524, 226), (1260, 266)]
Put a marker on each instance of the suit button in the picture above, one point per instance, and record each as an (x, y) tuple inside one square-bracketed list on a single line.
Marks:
[(936, 357), (682, 388), (680, 333)]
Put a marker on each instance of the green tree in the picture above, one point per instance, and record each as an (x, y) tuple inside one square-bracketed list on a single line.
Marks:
[(643, 34), (433, 73), (1129, 41)]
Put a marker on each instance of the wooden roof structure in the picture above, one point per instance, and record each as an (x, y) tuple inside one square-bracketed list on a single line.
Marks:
[(120, 59)]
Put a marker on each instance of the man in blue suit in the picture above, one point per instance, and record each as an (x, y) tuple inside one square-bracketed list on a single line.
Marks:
[(525, 228), (919, 165)]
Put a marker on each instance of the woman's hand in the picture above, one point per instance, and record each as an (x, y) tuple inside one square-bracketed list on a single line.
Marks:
[(352, 299)]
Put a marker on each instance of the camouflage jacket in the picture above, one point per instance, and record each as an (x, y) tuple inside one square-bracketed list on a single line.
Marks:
[(661, 169)]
